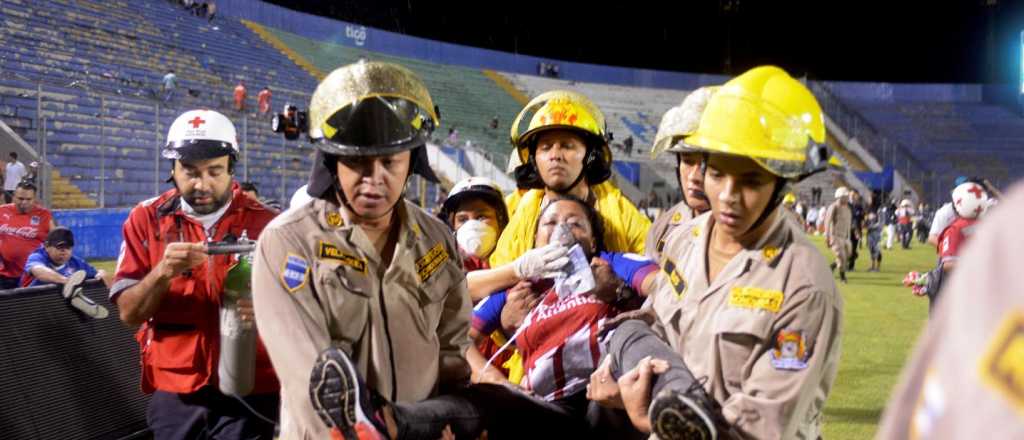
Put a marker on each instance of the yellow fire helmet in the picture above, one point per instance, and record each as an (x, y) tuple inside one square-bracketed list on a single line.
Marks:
[(789, 199), (559, 109), (566, 110), (371, 108), (768, 116), (681, 121)]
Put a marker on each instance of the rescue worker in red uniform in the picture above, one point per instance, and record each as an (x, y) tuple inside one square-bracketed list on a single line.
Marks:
[(24, 225), (169, 285)]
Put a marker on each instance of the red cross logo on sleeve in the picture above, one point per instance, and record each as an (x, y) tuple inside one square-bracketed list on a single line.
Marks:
[(196, 122)]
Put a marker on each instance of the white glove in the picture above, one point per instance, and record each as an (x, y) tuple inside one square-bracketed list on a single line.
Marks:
[(542, 262)]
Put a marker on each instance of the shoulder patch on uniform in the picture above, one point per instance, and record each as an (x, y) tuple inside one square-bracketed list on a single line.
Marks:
[(756, 298), (1002, 366), (790, 352), (294, 272), (674, 278), (333, 219), (429, 263), (331, 252)]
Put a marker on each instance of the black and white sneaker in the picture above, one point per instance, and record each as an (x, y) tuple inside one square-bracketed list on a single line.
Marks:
[(342, 400), (73, 295), (681, 416)]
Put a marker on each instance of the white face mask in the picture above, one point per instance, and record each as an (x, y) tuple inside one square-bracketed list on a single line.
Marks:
[(477, 238)]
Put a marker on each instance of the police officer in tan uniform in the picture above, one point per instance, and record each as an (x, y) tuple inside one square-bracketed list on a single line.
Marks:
[(678, 122), (838, 224), (361, 277), (964, 379), (748, 315)]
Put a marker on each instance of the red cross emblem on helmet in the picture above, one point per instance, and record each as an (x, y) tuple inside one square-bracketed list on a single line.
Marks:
[(196, 122)]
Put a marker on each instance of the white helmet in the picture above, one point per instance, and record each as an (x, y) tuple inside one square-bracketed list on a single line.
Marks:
[(201, 134), (476, 187), (842, 191), (970, 200)]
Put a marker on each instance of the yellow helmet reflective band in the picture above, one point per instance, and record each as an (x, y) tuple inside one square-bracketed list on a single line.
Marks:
[(371, 108), (557, 109), (681, 121), (768, 116)]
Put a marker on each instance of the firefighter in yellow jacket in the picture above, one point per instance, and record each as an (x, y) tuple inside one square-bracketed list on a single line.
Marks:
[(564, 150)]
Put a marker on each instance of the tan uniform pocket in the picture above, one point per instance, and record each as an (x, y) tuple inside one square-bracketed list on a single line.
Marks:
[(742, 335), (431, 296), (345, 294)]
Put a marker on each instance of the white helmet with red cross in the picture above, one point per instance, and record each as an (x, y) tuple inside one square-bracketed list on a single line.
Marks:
[(199, 135), (970, 200)]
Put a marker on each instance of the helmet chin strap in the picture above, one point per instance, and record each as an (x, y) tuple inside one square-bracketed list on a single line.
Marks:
[(774, 202)]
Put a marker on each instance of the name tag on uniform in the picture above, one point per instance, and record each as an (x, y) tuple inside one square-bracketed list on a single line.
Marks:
[(431, 262), (293, 274), (756, 298), (331, 252)]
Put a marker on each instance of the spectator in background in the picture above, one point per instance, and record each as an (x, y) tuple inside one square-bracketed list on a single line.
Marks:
[(15, 171), (857, 211), (838, 229), (889, 218), (24, 225), (250, 191), (53, 262), (240, 96), (874, 229), (453, 137), (812, 219), (211, 10), (169, 83), (33, 173), (263, 98), (904, 216)]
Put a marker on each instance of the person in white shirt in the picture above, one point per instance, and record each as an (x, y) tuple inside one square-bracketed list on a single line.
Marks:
[(13, 174)]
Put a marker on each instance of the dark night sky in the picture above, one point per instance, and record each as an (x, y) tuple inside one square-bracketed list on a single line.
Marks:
[(897, 40)]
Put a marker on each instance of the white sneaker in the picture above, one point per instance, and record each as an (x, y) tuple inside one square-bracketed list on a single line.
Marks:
[(74, 281), (73, 294)]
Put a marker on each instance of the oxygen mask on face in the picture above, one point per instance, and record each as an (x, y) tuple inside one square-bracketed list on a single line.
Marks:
[(576, 276)]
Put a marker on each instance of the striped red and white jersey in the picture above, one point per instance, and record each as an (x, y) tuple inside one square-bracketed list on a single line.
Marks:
[(560, 344)]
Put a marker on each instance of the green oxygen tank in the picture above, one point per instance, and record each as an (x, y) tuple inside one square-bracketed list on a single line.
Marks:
[(237, 367)]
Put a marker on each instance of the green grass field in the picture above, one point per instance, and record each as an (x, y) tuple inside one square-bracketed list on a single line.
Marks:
[(881, 324), (882, 321)]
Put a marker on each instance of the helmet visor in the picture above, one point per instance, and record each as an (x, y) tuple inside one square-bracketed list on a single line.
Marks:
[(376, 125), (783, 144)]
